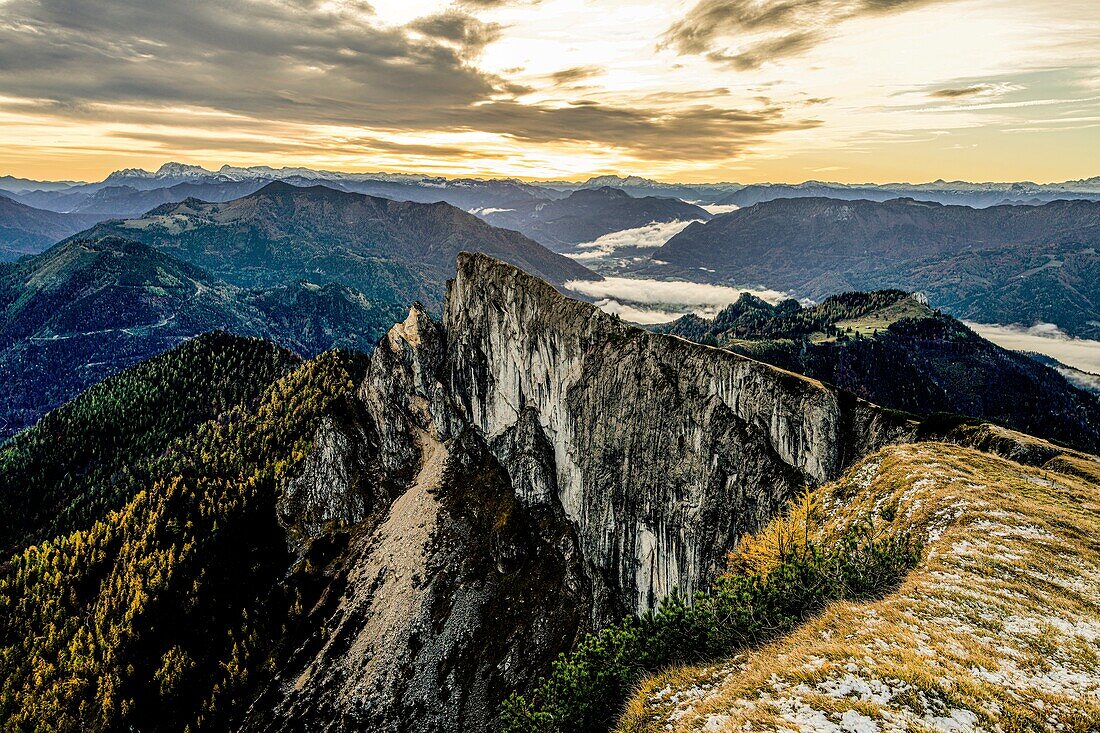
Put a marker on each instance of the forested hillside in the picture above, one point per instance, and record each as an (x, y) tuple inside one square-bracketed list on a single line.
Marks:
[(162, 613), (94, 453)]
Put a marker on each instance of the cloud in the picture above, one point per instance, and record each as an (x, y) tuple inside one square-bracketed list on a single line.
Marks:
[(718, 208), (756, 54), (1044, 338), (642, 316), (486, 210), (326, 65), (488, 4), (678, 295), (463, 30), (575, 74), (956, 93), (765, 30), (650, 236)]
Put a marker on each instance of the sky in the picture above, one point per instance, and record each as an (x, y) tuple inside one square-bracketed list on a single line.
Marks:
[(694, 91)]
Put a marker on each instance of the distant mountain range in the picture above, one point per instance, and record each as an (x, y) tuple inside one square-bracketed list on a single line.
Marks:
[(977, 195), (125, 201), (587, 214), (1004, 264), (477, 193), (889, 348), (26, 230), (132, 192)]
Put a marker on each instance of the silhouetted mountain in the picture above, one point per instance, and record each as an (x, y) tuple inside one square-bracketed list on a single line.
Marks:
[(889, 348), (124, 201), (16, 185), (87, 308), (978, 195), (393, 251), (588, 214), (133, 191), (1004, 264), (25, 230)]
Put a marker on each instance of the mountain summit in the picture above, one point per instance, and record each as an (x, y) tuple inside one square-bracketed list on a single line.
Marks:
[(392, 251)]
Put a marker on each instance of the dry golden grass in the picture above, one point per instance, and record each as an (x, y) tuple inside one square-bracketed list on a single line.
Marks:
[(998, 628)]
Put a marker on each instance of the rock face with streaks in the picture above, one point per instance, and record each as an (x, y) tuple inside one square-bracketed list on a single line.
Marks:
[(516, 475), (663, 452)]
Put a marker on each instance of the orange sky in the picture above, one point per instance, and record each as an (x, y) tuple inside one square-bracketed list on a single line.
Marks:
[(909, 90)]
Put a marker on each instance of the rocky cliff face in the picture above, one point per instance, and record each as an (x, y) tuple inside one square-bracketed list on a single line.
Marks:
[(663, 452), (524, 470)]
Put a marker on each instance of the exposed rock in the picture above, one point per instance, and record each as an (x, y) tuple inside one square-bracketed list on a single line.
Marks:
[(550, 468), (331, 487), (664, 451)]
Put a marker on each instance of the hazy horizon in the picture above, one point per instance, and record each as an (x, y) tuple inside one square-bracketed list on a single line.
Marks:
[(580, 178)]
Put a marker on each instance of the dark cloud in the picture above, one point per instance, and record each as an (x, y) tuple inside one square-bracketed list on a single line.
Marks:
[(460, 29), (485, 4), (307, 62), (700, 132), (790, 44), (575, 74), (768, 29), (960, 92)]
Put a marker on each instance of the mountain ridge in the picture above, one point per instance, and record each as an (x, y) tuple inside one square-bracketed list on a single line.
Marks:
[(589, 213), (893, 350), (1004, 264), (390, 250)]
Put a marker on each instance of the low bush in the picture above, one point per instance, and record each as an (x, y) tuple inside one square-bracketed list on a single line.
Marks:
[(585, 690)]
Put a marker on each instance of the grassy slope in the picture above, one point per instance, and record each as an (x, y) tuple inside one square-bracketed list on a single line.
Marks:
[(998, 626)]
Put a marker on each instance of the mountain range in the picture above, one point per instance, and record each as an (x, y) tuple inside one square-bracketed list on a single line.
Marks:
[(132, 186), (25, 230), (392, 251), (960, 193), (132, 192), (587, 214), (530, 516), (308, 268), (1002, 264)]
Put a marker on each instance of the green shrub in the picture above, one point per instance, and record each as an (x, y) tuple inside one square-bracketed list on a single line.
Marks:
[(585, 689)]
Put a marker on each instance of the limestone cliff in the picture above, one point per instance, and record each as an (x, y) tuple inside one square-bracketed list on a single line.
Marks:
[(663, 451), (528, 468)]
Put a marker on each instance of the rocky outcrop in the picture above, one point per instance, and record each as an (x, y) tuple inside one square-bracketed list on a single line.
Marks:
[(664, 452), (524, 470)]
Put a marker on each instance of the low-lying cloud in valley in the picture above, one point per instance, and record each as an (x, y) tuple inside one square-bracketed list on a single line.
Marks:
[(650, 236), (660, 301), (719, 208), (1044, 338)]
